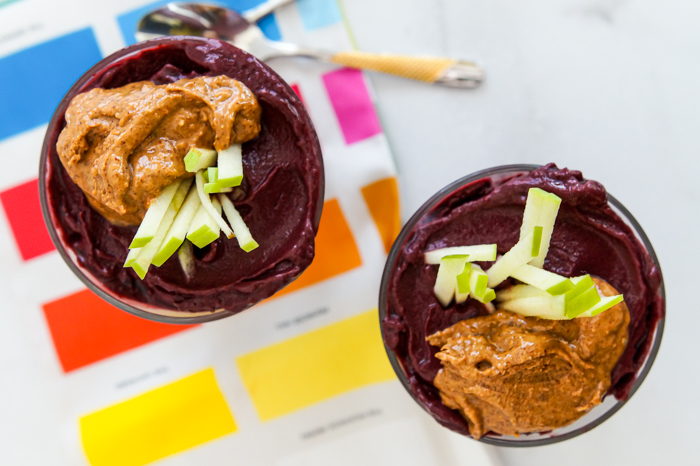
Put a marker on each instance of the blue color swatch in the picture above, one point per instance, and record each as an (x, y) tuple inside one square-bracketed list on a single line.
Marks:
[(6, 2), (34, 80), (129, 20), (268, 25), (316, 14)]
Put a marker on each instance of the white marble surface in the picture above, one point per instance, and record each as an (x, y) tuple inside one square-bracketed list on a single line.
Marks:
[(609, 87)]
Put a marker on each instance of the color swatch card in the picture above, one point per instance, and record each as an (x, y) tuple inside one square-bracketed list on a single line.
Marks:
[(300, 379)]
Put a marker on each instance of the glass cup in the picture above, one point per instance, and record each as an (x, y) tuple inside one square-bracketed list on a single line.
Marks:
[(137, 308), (598, 414)]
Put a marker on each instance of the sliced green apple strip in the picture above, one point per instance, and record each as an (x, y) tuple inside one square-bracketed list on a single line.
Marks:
[(245, 239), (141, 258), (481, 252), (604, 304), (463, 288), (230, 166), (207, 203), (545, 307), (203, 230), (199, 159), (584, 280), (148, 252), (211, 178), (210, 188), (178, 230), (210, 184), (211, 175), (478, 281), (202, 224), (446, 281), (536, 241), (533, 208), (131, 257), (489, 296), (581, 284), (154, 216), (215, 188), (582, 302), (519, 255), (519, 292), (186, 257), (541, 209), (182, 191), (550, 282)]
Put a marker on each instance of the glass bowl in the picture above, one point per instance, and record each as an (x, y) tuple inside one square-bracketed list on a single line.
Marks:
[(132, 306), (597, 415)]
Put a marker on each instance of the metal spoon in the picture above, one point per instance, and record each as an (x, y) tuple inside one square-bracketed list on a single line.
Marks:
[(196, 19)]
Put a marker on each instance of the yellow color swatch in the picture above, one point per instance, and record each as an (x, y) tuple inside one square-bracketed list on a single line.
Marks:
[(382, 198), (316, 366), (159, 423)]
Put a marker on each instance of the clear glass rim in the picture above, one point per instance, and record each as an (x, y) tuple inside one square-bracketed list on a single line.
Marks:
[(158, 315), (492, 439)]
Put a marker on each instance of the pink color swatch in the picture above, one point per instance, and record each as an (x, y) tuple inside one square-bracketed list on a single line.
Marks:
[(23, 210), (352, 104)]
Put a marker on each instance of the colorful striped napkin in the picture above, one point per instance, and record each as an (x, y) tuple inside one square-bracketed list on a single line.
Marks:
[(300, 379)]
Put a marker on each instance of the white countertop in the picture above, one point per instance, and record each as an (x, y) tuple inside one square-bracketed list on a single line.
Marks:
[(609, 87), (605, 86)]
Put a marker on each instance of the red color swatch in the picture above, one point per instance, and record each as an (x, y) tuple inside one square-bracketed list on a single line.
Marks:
[(86, 329), (23, 210), (298, 92)]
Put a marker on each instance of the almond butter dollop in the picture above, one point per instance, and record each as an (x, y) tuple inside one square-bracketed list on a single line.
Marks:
[(513, 375), (123, 146)]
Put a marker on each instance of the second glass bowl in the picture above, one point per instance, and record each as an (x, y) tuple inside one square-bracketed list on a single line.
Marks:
[(598, 414)]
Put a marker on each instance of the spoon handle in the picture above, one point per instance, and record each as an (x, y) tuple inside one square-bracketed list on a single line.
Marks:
[(444, 71)]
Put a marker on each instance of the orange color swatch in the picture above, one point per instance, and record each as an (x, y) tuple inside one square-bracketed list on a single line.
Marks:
[(158, 423), (87, 329), (316, 366), (336, 251), (382, 198)]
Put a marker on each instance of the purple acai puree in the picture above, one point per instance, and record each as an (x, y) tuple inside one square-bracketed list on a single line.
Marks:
[(588, 238), (282, 186)]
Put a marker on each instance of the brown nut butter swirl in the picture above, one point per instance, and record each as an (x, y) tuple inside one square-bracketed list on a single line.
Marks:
[(512, 374), (123, 146)]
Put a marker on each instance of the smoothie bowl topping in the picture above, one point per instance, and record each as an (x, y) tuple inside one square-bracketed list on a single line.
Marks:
[(543, 294), (126, 147)]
